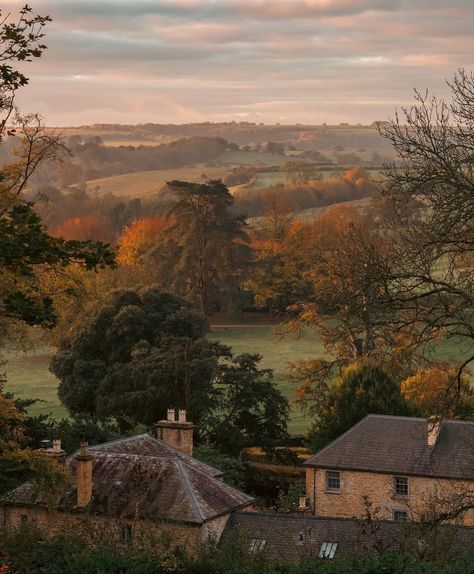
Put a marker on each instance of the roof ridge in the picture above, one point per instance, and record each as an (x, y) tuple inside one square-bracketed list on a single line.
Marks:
[(219, 482), (189, 488), (336, 440), (401, 417)]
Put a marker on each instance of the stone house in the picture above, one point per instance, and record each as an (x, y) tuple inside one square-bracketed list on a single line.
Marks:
[(405, 466), (135, 490)]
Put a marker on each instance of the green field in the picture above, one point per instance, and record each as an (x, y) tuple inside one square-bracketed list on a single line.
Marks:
[(28, 375)]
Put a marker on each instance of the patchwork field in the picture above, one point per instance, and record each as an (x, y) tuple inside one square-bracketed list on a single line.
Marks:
[(28, 375)]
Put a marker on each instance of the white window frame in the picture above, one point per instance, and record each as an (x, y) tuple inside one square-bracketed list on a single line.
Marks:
[(398, 494), (257, 545), (327, 478), (327, 550)]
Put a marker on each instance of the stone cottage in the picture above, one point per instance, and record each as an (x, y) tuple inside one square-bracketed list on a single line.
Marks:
[(405, 466), (138, 489)]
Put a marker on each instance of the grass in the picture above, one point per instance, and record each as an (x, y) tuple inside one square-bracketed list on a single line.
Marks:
[(276, 354), (28, 375), (143, 183)]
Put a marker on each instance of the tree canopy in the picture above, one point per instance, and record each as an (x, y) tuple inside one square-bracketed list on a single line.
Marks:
[(363, 388), (205, 245), (145, 350)]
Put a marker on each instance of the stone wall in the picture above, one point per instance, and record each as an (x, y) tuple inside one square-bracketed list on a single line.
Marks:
[(160, 536), (379, 488)]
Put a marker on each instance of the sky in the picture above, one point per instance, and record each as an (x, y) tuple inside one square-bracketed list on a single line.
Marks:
[(287, 61)]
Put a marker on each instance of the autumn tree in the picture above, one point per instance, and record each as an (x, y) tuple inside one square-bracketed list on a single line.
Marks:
[(430, 191), (278, 277), (430, 392), (348, 309), (140, 239), (206, 245), (84, 228), (26, 249)]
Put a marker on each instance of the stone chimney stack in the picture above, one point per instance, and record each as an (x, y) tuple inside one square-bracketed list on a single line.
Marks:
[(176, 433), (434, 426), (84, 476)]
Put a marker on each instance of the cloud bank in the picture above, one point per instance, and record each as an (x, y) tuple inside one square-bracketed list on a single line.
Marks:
[(308, 61)]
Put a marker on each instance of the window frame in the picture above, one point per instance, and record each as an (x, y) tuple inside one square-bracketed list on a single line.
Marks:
[(125, 534), (327, 550), (397, 494), (327, 479), (257, 545), (399, 511)]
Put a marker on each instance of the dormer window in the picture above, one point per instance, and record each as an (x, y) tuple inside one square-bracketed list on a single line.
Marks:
[(328, 549), (257, 545)]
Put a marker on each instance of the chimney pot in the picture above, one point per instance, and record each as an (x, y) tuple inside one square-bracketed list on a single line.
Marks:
[(57, 446), (176, 433)]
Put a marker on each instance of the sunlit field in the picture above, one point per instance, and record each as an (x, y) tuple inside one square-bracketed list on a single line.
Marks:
[(28, 375)]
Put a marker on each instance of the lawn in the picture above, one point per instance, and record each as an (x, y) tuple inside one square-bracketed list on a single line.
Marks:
[(28, 375)]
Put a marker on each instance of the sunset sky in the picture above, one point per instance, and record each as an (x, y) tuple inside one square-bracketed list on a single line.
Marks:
[(178, 61)]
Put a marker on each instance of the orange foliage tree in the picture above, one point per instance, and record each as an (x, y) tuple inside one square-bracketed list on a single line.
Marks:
[(87, 227), (435, 392), (139, 238)]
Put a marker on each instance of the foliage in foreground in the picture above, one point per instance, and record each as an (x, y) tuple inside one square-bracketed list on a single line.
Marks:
[(27, 551)]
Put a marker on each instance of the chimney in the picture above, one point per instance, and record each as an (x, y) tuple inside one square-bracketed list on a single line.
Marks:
[(53, 449), (434, 425), (84, 476), (303, 504), (176, 433)]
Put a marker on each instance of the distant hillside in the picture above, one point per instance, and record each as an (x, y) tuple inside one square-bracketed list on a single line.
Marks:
[(302, 137)]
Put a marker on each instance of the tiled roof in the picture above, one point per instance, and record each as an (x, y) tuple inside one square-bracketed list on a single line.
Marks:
[(290, 537), (153, 487), (399, 445), (144, 444)]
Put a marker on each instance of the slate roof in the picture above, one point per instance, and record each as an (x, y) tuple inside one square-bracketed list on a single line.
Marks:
[(145, 444), (153, 487), (290, 538), (399, 445)]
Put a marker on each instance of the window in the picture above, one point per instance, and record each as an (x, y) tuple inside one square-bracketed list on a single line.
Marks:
[(125, 535), (333, 481), (400, 485), (24, 519), (257, 545), (400, 515), (328, 549)]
